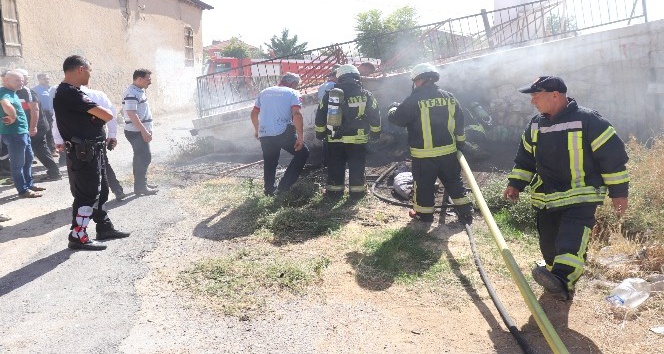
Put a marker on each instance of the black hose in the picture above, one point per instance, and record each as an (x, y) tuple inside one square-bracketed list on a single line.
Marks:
[(494, 296), (485, 279), (392, 200)]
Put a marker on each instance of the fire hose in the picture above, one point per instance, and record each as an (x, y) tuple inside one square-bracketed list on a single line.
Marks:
[(543, 322)]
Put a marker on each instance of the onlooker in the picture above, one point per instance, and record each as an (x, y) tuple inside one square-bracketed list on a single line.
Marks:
[(329, 84), (435, 123), (138, 129), (81, 122), (566, 187), (278, 124), (100, 98), (111, 126), (14, 131), (43, 90), (366, 68), (30, 103)]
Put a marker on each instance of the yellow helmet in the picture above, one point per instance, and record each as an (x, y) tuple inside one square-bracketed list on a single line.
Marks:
[(423, 70)]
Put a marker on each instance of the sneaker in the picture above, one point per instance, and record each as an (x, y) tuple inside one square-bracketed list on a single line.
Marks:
[(111, 234), (420, 216), (29, 194), (120, 196), (551, 283), (4, 217), (146, 191), (37, 188), (89, 245)]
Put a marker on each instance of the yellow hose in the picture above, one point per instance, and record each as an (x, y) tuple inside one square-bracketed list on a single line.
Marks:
[(540, 317)]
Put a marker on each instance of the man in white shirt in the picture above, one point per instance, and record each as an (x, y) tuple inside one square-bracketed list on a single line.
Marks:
[(100, 98)]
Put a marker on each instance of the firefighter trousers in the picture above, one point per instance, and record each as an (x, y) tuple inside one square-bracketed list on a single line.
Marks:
[(563, 239), (426, 171), (340, 154)]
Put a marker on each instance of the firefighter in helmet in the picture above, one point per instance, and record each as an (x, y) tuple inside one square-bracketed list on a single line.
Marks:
[(346, 118), (434, 121)]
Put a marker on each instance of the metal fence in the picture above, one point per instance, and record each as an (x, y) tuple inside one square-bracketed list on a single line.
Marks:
[(437, 43)]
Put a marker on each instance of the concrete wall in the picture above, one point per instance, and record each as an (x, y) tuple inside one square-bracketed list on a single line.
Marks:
[(117, 36), (619, 73)]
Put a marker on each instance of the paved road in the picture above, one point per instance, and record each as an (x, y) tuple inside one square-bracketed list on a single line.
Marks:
[(54, 300)]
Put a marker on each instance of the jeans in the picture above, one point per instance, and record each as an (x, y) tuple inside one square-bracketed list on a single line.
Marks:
[(271, 146), (142, 159), (20, 160)]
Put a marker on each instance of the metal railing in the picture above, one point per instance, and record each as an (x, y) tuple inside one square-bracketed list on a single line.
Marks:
[(437, 43)]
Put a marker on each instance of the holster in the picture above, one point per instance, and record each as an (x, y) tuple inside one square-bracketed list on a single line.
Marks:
[(84, 150)]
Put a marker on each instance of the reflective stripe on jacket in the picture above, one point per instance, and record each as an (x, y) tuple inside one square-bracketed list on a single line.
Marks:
[(572, 158), (433, 119)]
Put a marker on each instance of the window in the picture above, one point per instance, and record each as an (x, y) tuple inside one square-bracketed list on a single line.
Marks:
[(11, 38), (188, 46)]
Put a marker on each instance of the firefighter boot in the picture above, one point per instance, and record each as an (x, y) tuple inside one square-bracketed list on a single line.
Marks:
[(420, 216), (464, 213), (551, 283)]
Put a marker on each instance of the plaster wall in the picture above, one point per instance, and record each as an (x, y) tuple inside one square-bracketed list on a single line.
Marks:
[(117, 36)]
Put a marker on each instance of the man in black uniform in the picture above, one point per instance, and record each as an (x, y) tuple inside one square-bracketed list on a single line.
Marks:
[(434, 121), (81, 124), (347, 144), (571, 157)]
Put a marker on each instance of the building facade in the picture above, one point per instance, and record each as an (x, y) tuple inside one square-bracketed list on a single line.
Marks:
[(117, 36)]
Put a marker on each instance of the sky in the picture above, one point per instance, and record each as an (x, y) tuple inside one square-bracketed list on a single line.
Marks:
[(320, 23), (325, 23)]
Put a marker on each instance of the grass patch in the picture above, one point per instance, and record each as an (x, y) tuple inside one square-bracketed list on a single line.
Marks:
[(404, 255), (243, 283), (191, 148)]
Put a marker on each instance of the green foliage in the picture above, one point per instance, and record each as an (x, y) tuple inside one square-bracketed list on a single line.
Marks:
[(519, 215), (286, 46), (389, 37), (235, 49), (644, 219)]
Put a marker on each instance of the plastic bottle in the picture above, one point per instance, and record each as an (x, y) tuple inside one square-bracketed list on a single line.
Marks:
[(630, 293)]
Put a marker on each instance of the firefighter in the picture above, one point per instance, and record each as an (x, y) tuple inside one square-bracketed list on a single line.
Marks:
[(477, 121), (347, 117), (435, 123), (571, 157)]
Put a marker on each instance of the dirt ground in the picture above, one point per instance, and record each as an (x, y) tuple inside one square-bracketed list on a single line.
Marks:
[(128, 298)]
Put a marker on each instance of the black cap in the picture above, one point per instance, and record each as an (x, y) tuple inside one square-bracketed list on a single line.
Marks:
[(545, 84)]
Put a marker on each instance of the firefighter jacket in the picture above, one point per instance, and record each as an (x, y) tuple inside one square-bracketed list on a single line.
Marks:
[(434, 121), (572, 158), (360, 115)]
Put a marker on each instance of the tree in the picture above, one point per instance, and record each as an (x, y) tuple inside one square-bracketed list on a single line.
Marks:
[(235, 49), (386, 39), (285, 46)]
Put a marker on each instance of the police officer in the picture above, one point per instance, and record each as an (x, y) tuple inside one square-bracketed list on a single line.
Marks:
[(434, 121), (80, 121), (360, 119), (571, 157)]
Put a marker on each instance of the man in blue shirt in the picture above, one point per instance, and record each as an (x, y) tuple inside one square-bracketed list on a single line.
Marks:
[(278, 124), (46, 107)]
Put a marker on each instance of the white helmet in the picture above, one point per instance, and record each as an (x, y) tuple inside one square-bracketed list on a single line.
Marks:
[(424, 70), (347, 69)]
